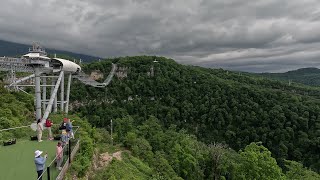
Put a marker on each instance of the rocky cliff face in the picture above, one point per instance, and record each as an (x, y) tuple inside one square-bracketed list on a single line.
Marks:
[(96, 75), (122, 72)]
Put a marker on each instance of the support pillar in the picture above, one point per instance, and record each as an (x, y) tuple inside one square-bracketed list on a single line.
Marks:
[(38, 92), (55, 102), (68, 93), (44, 93), (51, 91), (13, 78), (62, 94), (52, 97)]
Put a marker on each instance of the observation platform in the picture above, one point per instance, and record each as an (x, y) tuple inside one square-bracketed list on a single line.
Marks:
[(17, 161)]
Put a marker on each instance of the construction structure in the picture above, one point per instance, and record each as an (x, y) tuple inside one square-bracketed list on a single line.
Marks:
[(47, 72)]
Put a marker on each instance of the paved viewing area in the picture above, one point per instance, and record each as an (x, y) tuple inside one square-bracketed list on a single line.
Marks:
[(17, 161)]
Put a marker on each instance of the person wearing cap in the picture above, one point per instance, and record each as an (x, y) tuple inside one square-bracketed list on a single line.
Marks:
[(63, 124), (40, 162)]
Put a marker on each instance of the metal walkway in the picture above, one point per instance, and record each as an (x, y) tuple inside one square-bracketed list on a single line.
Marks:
[(22, 65), (16, 64), (84, 78)]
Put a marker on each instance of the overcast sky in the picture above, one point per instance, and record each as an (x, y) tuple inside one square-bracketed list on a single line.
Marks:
[(246, 35)]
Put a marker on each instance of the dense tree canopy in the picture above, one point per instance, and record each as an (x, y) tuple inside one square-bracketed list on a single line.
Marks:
[(213, 104), (16, 109)]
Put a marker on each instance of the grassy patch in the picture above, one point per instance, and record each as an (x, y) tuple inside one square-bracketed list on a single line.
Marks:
[(109, 148), (128, 168), (17, 161)]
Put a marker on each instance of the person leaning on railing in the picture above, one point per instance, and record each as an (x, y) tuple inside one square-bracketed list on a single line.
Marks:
[(69, 129), (59, 155), (64, 135)]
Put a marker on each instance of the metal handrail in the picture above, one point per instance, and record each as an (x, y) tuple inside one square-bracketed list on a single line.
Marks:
[(45, 170), (20, 127), (68, 161), (8, 129)]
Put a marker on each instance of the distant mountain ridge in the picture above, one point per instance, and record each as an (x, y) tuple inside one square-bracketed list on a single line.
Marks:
[(13, 49), (308, 76)]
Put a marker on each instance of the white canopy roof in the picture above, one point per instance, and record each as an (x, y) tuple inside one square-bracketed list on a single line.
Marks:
[(67, 65)]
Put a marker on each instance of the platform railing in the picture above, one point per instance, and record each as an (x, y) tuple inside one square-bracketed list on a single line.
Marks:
[(69, 151), (71, 156)]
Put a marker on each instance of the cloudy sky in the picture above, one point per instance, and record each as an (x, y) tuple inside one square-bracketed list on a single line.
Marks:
[(246, 35)]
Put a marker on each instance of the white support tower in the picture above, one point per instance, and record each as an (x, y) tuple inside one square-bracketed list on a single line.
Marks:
[(62, 94), (38, 93), (55, 105), (53, 96), (44, 93), (43, 69), (68, 93)]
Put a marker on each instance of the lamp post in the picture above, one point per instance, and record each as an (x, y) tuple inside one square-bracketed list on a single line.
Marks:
[(111, 133)]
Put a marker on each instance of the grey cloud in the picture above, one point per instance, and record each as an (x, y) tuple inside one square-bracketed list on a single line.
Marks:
[(272, 35)]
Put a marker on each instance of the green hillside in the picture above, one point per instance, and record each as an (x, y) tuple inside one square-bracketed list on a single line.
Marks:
[(16, 109), (213, 104), (307, 76)]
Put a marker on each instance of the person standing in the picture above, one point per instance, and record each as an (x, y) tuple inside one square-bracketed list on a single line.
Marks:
[(64, 134), (39, 130), (59, 155), (40, 162), (63, 125), (64, 137), (48, 125), (69, 129)]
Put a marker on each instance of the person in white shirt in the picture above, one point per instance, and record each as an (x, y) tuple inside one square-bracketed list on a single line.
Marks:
[(39, 130)]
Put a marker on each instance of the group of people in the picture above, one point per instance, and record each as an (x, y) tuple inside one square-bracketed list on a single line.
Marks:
[(41, 161), (65, 127), (66, 134), (48, 124), (66, 131)]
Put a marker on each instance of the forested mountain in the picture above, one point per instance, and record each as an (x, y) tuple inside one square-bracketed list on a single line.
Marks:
[(213, 104), (172, 121), (14, 49), (309, 76)]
